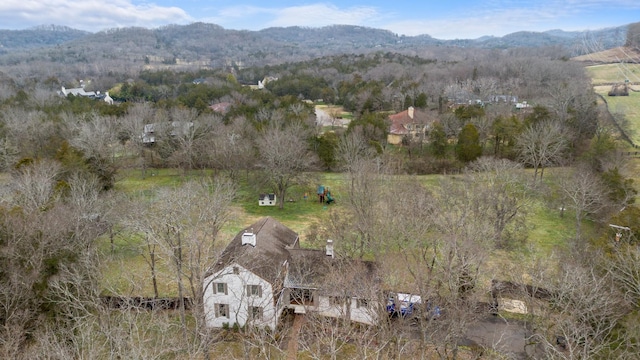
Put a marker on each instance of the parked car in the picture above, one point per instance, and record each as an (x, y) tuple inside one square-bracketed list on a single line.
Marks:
[(408, 306)]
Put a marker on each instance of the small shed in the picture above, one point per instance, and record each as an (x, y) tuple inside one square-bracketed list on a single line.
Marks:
[(267, 200)]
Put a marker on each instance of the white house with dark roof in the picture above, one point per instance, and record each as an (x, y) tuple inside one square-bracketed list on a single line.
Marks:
[(267, 200), (263, 271), (246, 285)]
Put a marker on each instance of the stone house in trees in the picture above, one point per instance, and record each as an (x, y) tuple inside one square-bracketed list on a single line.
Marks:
[(411, 123), (263, 272)]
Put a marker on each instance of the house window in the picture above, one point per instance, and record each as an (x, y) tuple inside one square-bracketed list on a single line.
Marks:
[(222, 310), (220, 288), (236, 270), (255, 312), (336, 300), (362, 303), (254, 290)]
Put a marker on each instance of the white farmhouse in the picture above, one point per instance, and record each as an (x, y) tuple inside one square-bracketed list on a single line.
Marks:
[(263, 272), (246, 285)]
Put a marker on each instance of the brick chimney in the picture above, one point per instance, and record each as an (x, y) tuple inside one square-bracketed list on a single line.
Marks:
[(249, 238)]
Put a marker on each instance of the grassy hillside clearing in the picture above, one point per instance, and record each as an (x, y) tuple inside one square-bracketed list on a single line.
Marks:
[(622, 53), (627, 107), (614, 73)]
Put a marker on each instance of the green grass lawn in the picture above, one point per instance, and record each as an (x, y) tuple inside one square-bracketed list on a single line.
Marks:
[(613, 73), (132, 181), (628, 106), (126, 271)]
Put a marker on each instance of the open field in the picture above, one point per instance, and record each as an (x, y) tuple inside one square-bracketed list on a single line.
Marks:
[(624, 106), (615, 55), (127, 272), (614, 73)]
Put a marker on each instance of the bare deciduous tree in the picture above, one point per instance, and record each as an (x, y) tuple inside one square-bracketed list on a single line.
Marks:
[(501, 197), (584, 193), (582, 315), (49, 259), (185, 223), (541, 145), (231, 147), (284, 158)]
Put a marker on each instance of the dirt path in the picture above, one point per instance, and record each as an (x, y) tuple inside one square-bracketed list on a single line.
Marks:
[(292, 344), (507, 337)]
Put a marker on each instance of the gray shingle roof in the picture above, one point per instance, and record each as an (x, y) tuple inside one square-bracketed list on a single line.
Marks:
[(267, 258)]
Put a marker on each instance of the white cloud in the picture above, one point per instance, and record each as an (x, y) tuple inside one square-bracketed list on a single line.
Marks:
[(497, 21), (91, 15), (322, 15), (314, 15)]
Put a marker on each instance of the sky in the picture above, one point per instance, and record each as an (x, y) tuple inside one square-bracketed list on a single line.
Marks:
[(443, 19)]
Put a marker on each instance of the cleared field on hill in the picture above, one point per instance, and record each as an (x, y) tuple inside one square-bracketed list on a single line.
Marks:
[(613, 73), (627, 106)]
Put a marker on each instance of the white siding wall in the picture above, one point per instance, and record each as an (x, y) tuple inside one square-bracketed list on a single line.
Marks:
[(363, 314), (238, 299)]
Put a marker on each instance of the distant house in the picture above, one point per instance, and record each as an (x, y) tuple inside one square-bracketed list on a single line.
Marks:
[(77, 92), (267, 200), (80, 91), (412, 123), (151, 132), (511, 99), (265, 81), (221, 108), (263, 272), (108, 99)]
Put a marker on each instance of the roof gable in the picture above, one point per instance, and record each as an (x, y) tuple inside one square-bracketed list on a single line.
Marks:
[(267, 257), (315, 269), (400, 120)]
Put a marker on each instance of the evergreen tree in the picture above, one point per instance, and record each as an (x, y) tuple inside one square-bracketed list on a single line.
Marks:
[(438, 141), (468, 147)]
